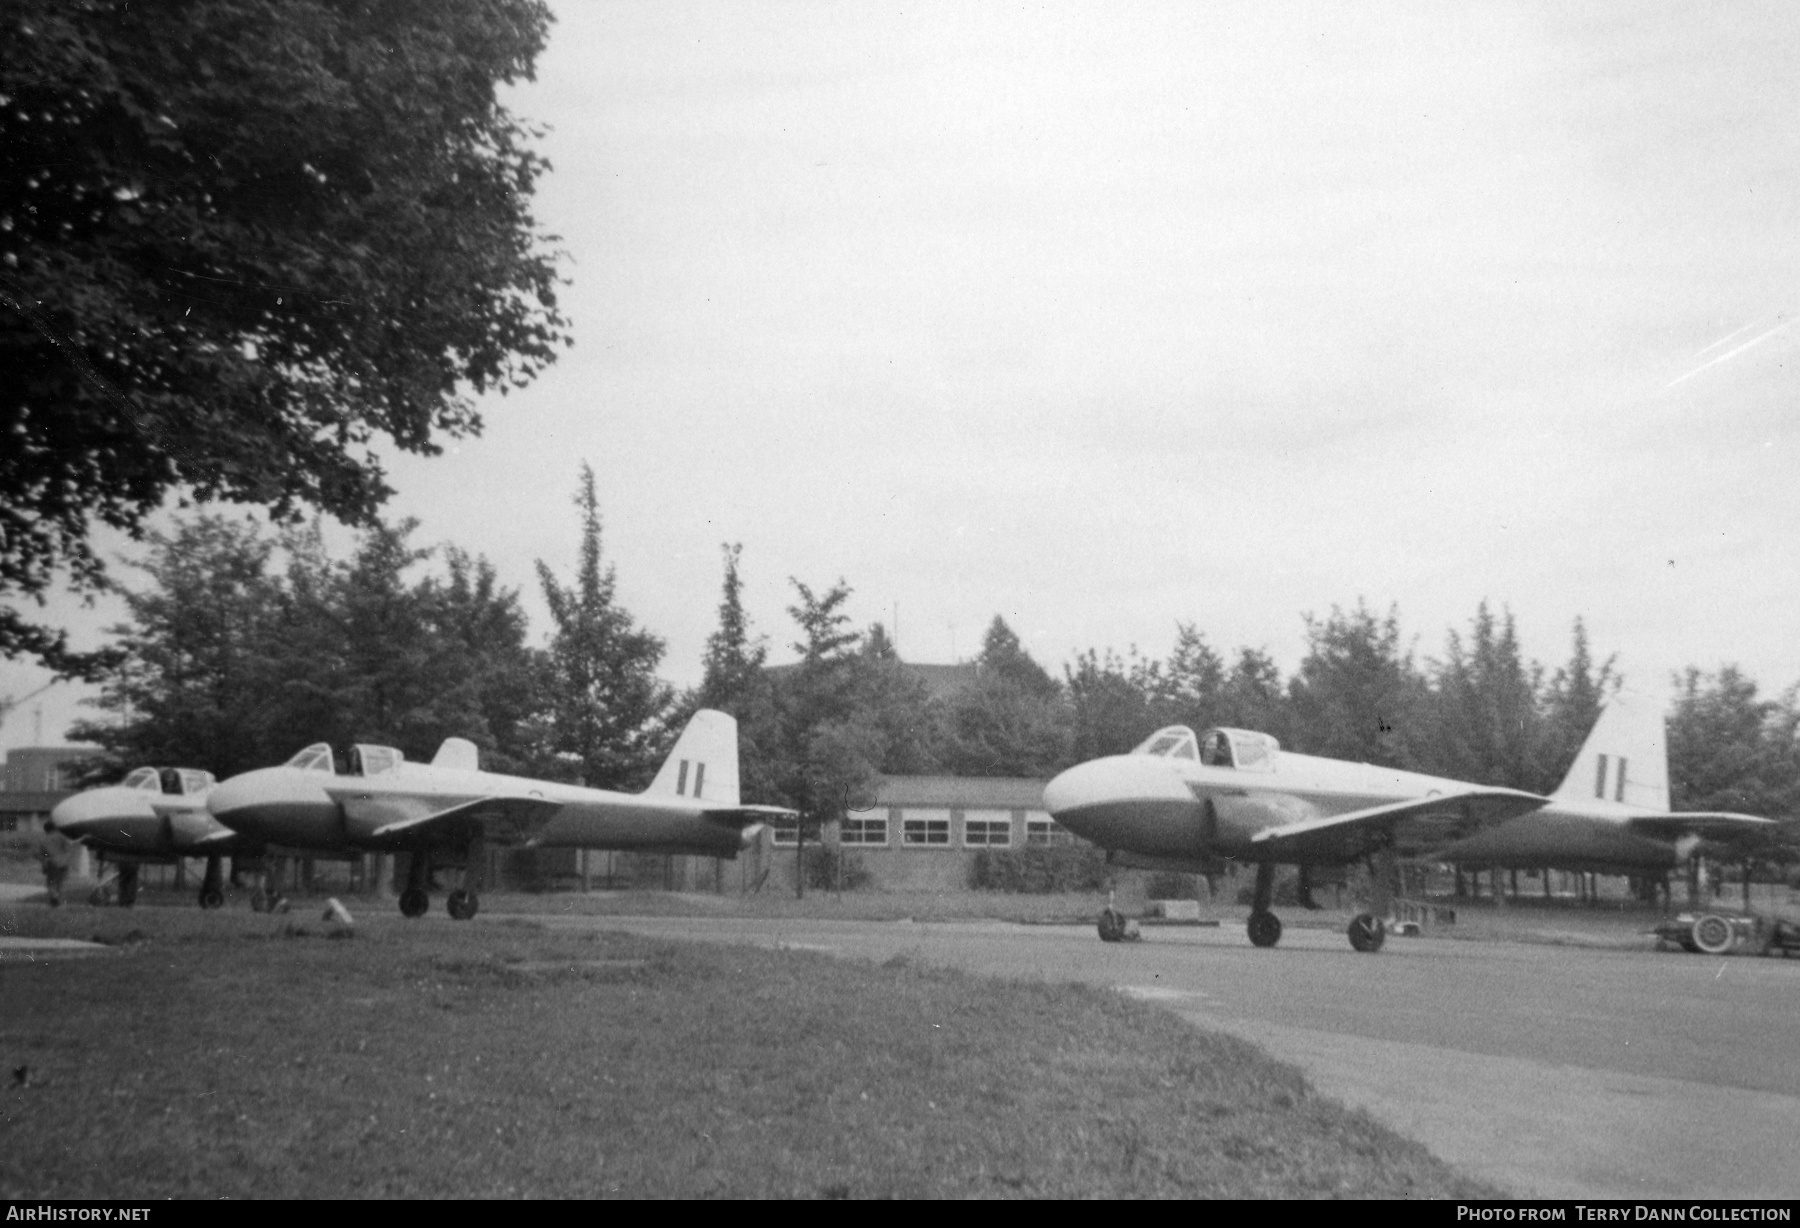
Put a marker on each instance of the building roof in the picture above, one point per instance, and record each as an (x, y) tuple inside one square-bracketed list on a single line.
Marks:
[(957, 792)]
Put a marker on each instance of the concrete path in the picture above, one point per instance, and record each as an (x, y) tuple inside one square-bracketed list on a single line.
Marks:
[(1549, 1071)]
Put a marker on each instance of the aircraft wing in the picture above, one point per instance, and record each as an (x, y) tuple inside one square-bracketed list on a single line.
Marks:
[(1411, 826), (506, 818), (1718, 825)]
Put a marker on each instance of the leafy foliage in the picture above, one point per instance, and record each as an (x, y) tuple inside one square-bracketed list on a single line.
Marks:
[(607, 710), (231, 665), (239, 240), (1039, 869)]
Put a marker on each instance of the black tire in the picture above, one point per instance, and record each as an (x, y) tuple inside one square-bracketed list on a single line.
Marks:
[(127, 889), (1112, 926), (1264, 929), (211, 897), (414, 902), (1367, 933), (462, 905), (1713, 934)]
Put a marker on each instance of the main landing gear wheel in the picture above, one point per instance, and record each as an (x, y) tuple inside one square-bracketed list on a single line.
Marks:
[(211, 897), (128, 885), (1367, 933), (1265, 929), (414, 902), (462, 905), (1712, 934)]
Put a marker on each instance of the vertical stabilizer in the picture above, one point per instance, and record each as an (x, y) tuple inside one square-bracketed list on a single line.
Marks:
[(1624, 759), (704, 763)]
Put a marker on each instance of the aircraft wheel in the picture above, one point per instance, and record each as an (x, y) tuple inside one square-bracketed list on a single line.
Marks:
[(1112, 926), (414, 902), (1713, 934), (127, 888), (259, 900), (212, 897), (1265, 929), (462, 905), (1367, 933)]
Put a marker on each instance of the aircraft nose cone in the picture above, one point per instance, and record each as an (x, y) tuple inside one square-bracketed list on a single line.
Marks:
[(1121, 801), (275, 804), (87, 813), (237, 796)]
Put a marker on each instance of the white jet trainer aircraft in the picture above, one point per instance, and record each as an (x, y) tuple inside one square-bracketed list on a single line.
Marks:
[(448, 810), (1183, 803), (155, 815)]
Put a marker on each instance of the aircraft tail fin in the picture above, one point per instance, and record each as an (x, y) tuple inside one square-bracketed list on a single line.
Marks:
[(1625, 757), (704, 763), (458, 753)]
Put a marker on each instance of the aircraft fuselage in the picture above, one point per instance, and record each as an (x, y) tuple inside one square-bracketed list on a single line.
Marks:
[(1178, 809)]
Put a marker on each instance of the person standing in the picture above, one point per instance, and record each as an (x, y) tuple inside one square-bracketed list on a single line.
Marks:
[(54, 851)]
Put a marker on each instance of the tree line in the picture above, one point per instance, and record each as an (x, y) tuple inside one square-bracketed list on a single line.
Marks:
[(247, 643)]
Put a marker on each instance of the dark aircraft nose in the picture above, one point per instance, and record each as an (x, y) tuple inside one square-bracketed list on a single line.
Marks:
[(1133, 802), (279, 805)]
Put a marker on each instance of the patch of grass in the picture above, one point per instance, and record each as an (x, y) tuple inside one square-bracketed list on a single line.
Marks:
[(228, 1055)]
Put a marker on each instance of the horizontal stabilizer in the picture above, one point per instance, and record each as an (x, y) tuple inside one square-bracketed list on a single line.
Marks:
[(1415, 824), (1719, 825), (744, 816)]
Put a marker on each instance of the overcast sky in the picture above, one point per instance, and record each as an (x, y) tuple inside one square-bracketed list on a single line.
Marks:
[(1105, 316)]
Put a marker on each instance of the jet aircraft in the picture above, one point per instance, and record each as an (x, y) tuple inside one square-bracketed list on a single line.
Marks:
[(1183, 803), (1611, 813), (449, 810), (1178, 802), (155, 815)]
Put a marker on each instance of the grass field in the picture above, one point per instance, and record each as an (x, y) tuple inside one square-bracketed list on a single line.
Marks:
[(230, 1054)]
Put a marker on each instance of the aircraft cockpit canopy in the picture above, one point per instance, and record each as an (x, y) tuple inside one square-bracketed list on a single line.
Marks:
[(1175, 742), (366, 760), (146, 778), (1244, 749), (185, 782), (315, 758)]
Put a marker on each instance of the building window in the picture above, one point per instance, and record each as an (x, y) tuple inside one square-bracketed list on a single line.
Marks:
[(787, 830), (1042, 829), (864, 829), (925, 831), (987, 828), (1600, 777)]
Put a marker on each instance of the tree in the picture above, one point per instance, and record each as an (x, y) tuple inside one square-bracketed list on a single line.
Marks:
[(1110, 706), (1253, 695), (733, 668), (239, 240), (1484, 723), (607, 710), (230, 665), (1190, 687), (195, 681), (831, 745), (1572, 703), (1013, 721), (734, 680), (1357, 692), (1726, 749)]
